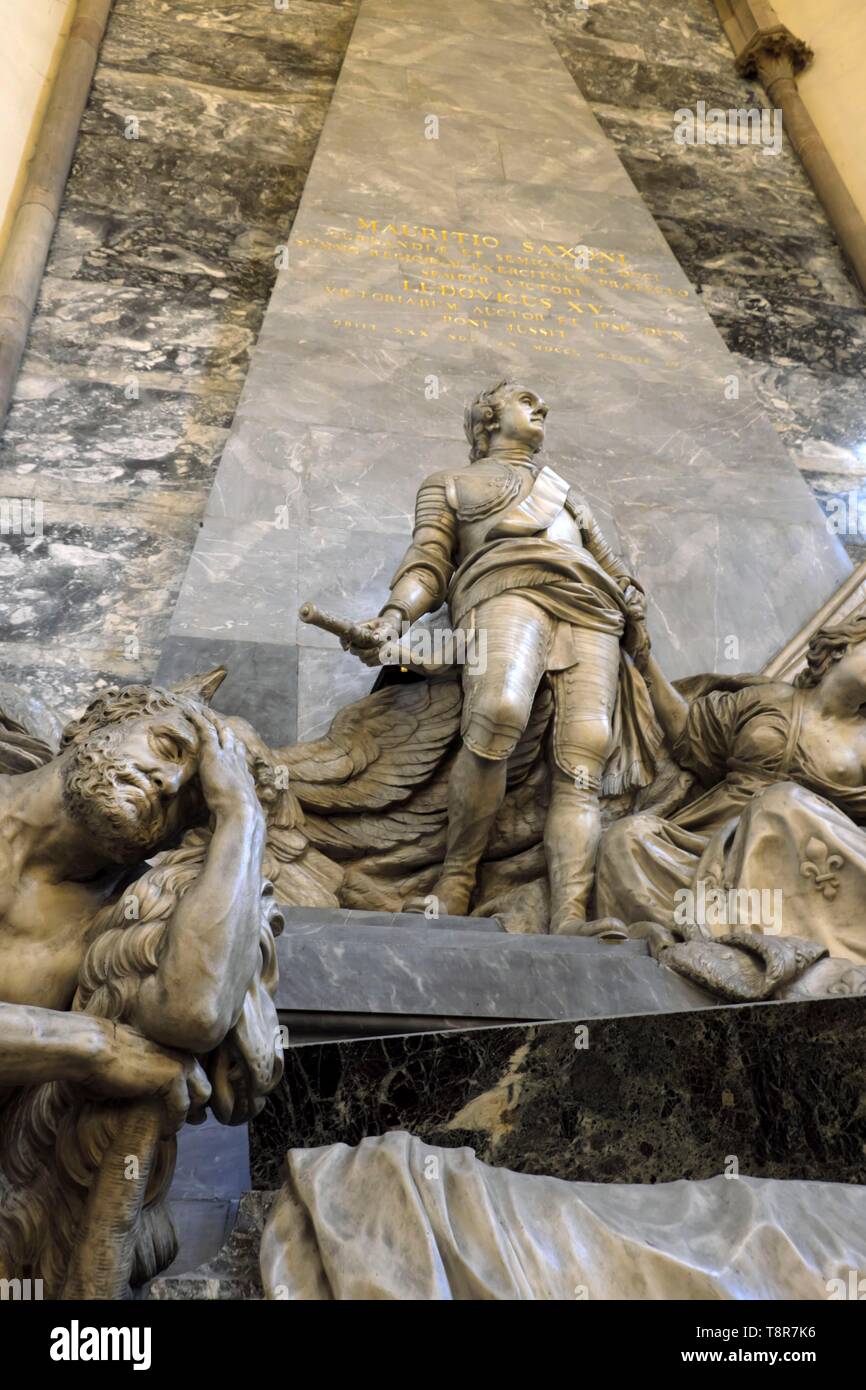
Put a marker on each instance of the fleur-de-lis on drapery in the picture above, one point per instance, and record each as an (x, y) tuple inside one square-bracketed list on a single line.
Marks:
[(821, 865)]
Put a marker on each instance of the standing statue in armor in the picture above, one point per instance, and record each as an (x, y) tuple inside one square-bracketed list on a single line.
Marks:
[(519, 558)]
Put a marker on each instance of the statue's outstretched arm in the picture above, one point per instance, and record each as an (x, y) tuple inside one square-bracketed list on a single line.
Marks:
[(39, 1045), (421, 580), (671, 708), (46, 1045), (197, 991)]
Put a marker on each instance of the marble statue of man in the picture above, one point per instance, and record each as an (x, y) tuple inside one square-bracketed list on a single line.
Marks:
[(518, 556), (137, 969), (135, 770)]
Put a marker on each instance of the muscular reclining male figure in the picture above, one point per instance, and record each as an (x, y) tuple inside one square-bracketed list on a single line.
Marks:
[(69, 830)]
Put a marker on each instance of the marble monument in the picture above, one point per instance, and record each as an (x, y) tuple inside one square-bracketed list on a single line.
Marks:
[(539, 812)]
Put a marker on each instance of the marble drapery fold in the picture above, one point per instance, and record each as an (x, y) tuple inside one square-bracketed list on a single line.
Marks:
[(773, 833), (394, 1218)]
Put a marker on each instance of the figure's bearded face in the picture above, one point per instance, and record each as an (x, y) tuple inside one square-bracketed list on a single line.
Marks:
[(128, 785)]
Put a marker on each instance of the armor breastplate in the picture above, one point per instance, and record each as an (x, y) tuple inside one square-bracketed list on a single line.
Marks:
[(485, 490), (497, 501)]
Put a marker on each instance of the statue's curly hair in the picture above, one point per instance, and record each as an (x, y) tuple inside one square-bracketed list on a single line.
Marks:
[(116, 704), (481, 415), (828, 646), (56, 1139)]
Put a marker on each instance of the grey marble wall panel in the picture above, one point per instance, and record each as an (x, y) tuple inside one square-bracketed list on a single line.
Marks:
[(695, 567), (747, 228), (156, 281), (307, 918), (323, 476), (261, 685), (206, 1169), (361, 968), (326, 682), (345, 572), (433, 252), (242, 584)]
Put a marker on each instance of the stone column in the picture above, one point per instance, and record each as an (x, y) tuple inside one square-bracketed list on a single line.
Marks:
[(766, 49)]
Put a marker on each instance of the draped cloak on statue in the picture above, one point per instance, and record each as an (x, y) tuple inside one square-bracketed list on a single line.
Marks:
[(769, 820), (522, 548), (368, 1223)]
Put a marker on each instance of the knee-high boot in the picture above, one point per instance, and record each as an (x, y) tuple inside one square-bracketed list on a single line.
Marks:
[(571, 837), (475, 792)]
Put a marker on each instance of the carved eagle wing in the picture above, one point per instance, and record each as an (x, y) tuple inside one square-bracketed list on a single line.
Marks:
[(376, 750), (29, 731)]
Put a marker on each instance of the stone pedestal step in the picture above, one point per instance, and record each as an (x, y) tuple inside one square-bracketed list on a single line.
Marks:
[(351, 974), (233, 1272)]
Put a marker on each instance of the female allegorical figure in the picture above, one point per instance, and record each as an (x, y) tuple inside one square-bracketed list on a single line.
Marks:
[(784, 772)]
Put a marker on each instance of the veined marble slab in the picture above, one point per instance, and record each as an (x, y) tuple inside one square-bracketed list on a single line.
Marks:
[(647, 1098), (343, 969), (312, 919)]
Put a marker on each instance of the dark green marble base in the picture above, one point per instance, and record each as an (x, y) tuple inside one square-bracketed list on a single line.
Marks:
[(651, 1098)]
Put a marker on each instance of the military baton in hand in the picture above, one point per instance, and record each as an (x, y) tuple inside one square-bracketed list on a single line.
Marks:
[(351, 633)]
